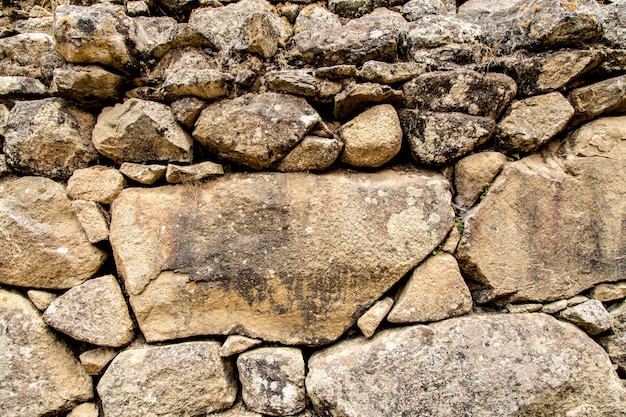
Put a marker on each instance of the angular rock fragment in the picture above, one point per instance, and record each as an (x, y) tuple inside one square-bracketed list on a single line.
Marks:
[(316, 17), (615, 342), (40, 375), (85, 410), (356, 97), (523, 308), (41, 299), (92, 217), (38, 228), (608, 96), (235, 344), (202, 83), (615, 24), (35, 25), (313, 153), (139, 381), (137, 8), (554, 307), (337, 72), (160, 32), (485, 365), (177, 174), (21, 87), (472, 173), (187, 109), (89, 84), (416, 9), (368, 322), (4, 120), (591, 316), (94, 361), (97, 183), (609, 292), (28, 55), (605, 137), (386, 73), (144, 174), (238, 410), (298, 82)]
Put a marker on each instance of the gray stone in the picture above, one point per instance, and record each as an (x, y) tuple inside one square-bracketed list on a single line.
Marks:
[(416, 9), (313, 153), (93, 312), (591, 316), (439, 138), (4, 120), (356, 97), (187, 109), (260, 229), (49, 137), (93, 220), (272, 380), (141, 131), (481, 365), (473, 174), (188, 58), (372, 138), (85, 410), (255, 130), (202, 83), (139, 382), (35, 25), (532, 122), (371, 319), (615, 342), (28, 55), (386, 73), (316, 17), (523, 308), (96, 183), (238, 410), (298, 82), (177, 174), (609, 292), (94, 361), (38, 228), (21, 87), (41, 299), (608, 96), (40, 375), (605, 137), (90, 84), (137, 8), (337, 72), (159, 31), (615, 24), (574, 301), (143, 174), (235, 344), (554, 307)]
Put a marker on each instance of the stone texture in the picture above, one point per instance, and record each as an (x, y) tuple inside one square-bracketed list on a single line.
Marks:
[(177, 174), (89, 84), (579, 299), (160, 32), (143, 174), (35, 25), (49, 137), (615, 24), (551, 223), (554, 307), (301, 82), (472, 173), (21, 87), (97, 183), (337, 72), (238, 410), (28, 55), (608, 96), (369, 321), (435, 291), (40, 375), (369, 230), (530, 123), (591, 316), (439, 138), (38, 228), (604, 137), (4, 120), (93, 220), (462, 91), (356, 97), (272, 380), (85, 410), (372, 138), (615, 342), (609, 292), (415, 9), (139, 381), (535, 24), (41, 299), (202, 83), (483, 365), (94, 361), (523, 308), (187, 109), (93, 312), (313, 153), (235, 344), (255, 130), (141, 131), (386, 73), (315, 17)]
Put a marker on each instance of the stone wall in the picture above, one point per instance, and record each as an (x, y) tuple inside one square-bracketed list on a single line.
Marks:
[(353, 208)]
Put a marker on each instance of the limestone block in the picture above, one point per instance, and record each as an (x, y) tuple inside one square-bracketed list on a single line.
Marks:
[(187, 109), (21, 87), (602, 97), (473, 174), (591, 316), (315, 17), (96, 183), (386, 73), (605, 137), (143, 174), (368, 322), (95, 360), (29, 55), (89, 84), (41, 299), (93, 219), (202, 83), (177, 174), (609, 292)]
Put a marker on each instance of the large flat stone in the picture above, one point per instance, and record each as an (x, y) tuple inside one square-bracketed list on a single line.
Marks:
[(293, 258)]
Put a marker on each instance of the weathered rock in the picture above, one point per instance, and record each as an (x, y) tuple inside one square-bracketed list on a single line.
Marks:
[(574, 301), (368, 322), (615, 24), (238, 410), (357, 97), (416, 9), (160, 32), (141, 131), (40, 375), (255, 130), (139, 381), (85, 410), (187, 109), (484, 365), (177, 174), (94, 361), (137, 8), (615, 343), (260, 229), (337, 72), (4, 167), (523, 308), (372, 138), (93, 312), (28, 55), (38, 228), (41, 299), (93, 220), (203, 83), (5, 113), (97, 183), (188, 58), (462, 91), (316, 17), (259, 35), (472, 173), (235, 344), (535, 24), (272, 380), (554, 307), (609, 292), (532, 122), (90, 84), (49, 137), (604, 137), (298, 82), (21, 87), (439, 138), (35, 25), (313, 153), (143, 174), (591, 316), (569, 228), (386, 73), (608, 96), (97, 35)]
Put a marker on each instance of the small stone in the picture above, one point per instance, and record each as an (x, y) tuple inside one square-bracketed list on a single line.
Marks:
[(4, 167), (435, 291), (337, 72), (523, 308), (300, 82), (591, 316), (369, 321), (93, 219), (160, 32), (202, 83), (313, 153), (574, 301), (606, 96), (615, 342), (272, 380), (137, 8), (372, 138), (386, 73), (89, 84), (235, 344), (416, 9), (289, 10), (97, 183), (359, 96), (530, 123), (35, 25), (177, 174), (187, 109), (238, 410), (41, 299), (21, 87), (85, 410), (452, 241), (554, 307), (473, 174), (94, 361), (143, 174), (609, 292), (29, 55), (316, 17), (615, 24)]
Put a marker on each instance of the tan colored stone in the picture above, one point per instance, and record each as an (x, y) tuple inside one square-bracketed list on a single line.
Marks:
[(41, 299), (235, 344), (202, 83), (435, 291), (579, 299), (85, 410), (312, 153), (177, 174), (21, 87), (94, 361), (368, 322), (28, 55), (604, 137), (554, 307), (523, 308), (89, 84), (452, 241), (599, 98), (615, 341), (238, 410), (386, 73), (473, 175), (187, 109), (316, 17), (591, 316), (97, 183), (143, 174), (4, 120), (93, 220), (356, 97), (609, 292)]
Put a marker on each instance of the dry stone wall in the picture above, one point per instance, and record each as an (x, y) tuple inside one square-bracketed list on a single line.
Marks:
[(346, 208)]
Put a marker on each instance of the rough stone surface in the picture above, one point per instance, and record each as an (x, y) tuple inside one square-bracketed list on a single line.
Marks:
[(28, 55), (554, 307), (255, 130), (97, 183), (415, 9), (316, 17), (89, 84), (235, 344), (202, 83), (49, 137), (579, 299), (605, 137), (372, 138), (615, 342), (238, 410), (4, 120), (187, 109), (85, 410), (591, 316), (93, 312), (21, 87), (615, 24), (302, 82), (139, 381), (143, 174), (272, 380), (141, 131), (94, 361), (368, 322), (376, 229), (93, 220), (41, 299), (608, 96), (386, 73), (532, 122), (40, 375), (609, 292), (177, 174), (483, 365), (38, 227), (356, 97), (313, 153), (438, 138), (35, 25), (435, 291), (472, 173), (523, 308)]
